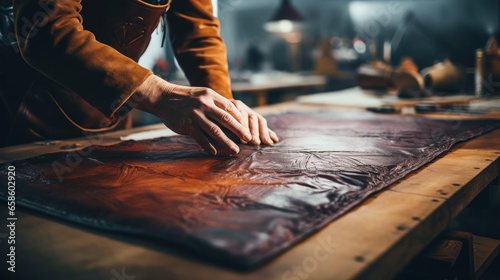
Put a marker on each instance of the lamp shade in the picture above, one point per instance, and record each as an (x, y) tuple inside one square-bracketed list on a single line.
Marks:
[(285, 19), (286, 12)]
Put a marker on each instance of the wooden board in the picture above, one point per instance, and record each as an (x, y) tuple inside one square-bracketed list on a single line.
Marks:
[(267, 83), (436, 262), (485, 251), (360, 98)]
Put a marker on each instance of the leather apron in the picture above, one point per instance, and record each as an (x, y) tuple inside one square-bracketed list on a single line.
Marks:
[(49, 110)]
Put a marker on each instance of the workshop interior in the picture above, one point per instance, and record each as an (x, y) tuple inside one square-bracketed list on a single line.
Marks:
[(387, 164)]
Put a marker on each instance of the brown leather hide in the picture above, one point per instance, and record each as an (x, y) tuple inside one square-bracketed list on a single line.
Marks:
[(242, 209)]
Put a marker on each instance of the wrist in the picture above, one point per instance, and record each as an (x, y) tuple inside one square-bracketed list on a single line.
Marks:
[(150, 94)]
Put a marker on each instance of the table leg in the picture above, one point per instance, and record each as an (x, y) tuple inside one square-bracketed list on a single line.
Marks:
[(261, 98)]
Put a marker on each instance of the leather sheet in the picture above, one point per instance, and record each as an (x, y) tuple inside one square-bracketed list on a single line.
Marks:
[(242, 209)]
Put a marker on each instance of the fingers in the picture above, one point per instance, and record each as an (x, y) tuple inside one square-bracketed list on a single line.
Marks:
[(242, 121), (229, 107), (214, 132), (229, 122), (264, 131), (259, 129), (203, 114), (273, 136), (243, 110), (233, 118), (203, 141), (254, 129)]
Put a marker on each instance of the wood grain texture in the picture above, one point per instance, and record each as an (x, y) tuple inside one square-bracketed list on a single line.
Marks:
[(485, 251)]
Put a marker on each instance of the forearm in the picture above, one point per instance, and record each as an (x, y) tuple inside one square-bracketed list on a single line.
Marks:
[(198, 46), (148, 96)]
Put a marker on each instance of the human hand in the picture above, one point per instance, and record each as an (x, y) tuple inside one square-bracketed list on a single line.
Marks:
[(195, 111), (256, 124)]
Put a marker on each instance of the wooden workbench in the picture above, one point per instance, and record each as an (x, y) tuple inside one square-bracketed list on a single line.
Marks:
[(373, 241), (259, 85), (261, 90)]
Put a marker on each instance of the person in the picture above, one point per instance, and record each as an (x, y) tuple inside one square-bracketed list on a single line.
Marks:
[(87, 77)]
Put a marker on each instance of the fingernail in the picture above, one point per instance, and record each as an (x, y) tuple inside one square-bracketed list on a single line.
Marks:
[(247, 137), (212, 151), (256, 141), (235, 149)]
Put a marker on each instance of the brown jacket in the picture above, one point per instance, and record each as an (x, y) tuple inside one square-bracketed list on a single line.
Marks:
[(87, 52)]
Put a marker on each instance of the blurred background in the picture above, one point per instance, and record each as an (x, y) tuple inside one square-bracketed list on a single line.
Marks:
[(279, 49)]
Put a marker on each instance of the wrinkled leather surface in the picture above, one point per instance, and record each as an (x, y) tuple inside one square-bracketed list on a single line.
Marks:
[(244, 209), (87, 51)]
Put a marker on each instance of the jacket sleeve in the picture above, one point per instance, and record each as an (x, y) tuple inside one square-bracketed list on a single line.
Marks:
[(51, 39), (198, 46)]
